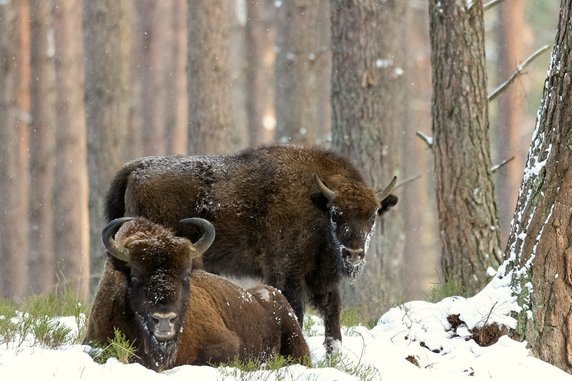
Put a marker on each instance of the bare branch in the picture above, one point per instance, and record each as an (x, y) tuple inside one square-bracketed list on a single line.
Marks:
[(501, 164), (491, 4), (407, 180), (427, 139), (519, 70)]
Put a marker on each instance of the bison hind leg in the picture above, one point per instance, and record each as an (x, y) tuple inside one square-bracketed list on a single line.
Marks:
[(224, 348), (292, 343)]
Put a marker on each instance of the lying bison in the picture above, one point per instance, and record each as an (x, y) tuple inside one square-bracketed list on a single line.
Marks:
[(298, 217), (177, 316)]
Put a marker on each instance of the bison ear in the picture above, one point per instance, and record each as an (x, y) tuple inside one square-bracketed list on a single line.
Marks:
[(320, 201), (387, 204)]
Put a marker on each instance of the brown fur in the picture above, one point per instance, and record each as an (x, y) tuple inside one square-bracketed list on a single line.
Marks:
[(272, 220), (222, 322)]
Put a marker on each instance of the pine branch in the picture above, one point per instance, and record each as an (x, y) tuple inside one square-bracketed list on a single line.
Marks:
[(491, 4), (501, 164), (519, 71), (407, 180), (426, 138)]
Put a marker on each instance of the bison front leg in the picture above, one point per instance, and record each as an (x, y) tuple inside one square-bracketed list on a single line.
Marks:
[(328, 305)]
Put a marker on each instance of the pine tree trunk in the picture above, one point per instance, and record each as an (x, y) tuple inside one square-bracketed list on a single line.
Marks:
[(71, 192), (540, 242), (510, 113), (298, 62), (367, 111), (468, 220), (421, 233), (210, 127), (13, 191), (107, 91), (42, 148), (260, 35), (158, 61), (177, 121)]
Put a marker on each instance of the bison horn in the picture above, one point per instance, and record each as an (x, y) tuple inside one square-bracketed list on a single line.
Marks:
[(384, 193), (109, 242), (327, 192), (208, 236)]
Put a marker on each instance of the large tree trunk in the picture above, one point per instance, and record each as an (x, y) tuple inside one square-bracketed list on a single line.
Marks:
[(298, 62), (539, 247), (465, 199), (210, 127), (510, 115), (157, 62), (177, 103), (260, 35), (42, 148), (421, 234), (13, 191), (367, 112), (71, 192), (107, 93)]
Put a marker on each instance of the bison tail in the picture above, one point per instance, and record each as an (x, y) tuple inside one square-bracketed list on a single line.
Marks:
[(115, 198)]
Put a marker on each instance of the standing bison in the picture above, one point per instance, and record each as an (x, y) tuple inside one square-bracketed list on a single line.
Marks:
[(300, 218), (177, 316)]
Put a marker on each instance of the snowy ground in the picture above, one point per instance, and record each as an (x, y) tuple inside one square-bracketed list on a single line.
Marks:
[(419, 331)]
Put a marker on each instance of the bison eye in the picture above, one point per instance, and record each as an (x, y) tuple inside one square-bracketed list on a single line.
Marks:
[(335, 216)]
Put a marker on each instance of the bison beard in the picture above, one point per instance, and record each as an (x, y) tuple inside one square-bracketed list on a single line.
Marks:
[(299, 217), (158, 354)]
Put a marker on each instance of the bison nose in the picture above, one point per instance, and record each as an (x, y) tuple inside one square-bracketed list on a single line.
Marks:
[(352, 256), (164, 325)]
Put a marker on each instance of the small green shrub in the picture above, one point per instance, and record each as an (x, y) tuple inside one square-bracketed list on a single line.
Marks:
[(49, 333), (449, 287), (118, 347), (341, 362), (35, 321), (351, 317)]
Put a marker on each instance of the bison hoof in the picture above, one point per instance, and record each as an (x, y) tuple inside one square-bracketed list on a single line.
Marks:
[(332, 345)]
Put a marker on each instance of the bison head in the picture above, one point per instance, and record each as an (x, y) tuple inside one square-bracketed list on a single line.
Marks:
[(352, 209), (157, 265)]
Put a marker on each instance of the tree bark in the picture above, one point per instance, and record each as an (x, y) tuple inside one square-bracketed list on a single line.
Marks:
[(367, 112), (71, 192), (298, 62), (468, 220), (177, 120), (421, 233), (42, 148), (210, 127), (260, 37), (510, 115), (107, 93), (539, 249), (13, 191)]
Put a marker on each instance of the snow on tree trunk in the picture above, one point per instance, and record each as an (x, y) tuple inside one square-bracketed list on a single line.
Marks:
[(539, 249)]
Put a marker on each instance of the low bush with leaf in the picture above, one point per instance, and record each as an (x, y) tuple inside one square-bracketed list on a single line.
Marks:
[(118, 347), (38, 321)]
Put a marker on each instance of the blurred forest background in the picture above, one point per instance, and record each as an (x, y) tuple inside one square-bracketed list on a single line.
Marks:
[(87, 86)]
